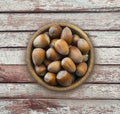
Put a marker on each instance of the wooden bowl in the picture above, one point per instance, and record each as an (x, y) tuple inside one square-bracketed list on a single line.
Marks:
[(74, 29)]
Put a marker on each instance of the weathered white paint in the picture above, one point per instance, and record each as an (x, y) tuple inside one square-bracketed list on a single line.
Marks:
[(55, 106), (18, 56), (100, 74), (104, 38), (14, 39), (85, 91), (59, 5), (98, 38), (105, 74), (86, 21)]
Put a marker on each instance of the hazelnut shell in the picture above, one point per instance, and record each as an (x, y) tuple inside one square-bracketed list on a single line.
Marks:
[(54, 67), (81, 69), (38, 56), (68, 64), (52, 54), (50, 78), (67, 35), (83, 46), (75, 54), (40, 70), (64, 78), (62, 47), (41, 41), (55, 31)]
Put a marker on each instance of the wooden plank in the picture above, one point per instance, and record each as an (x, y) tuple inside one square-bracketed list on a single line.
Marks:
[(100, 74), (48, 106), (15, 74), (58, 5), (85, 91), (99, 38), (15, 39), (86, 21), (18, 56)]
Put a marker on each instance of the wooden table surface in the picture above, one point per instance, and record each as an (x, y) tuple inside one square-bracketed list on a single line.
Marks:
[(21, 94)]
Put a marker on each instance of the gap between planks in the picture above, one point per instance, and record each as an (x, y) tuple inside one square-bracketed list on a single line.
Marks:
[(73, 99), (61, 11)]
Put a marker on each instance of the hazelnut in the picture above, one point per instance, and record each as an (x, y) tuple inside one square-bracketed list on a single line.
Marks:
[(55, 31), (52, 44), (64, 78), (50, 78), (75, 54), (52, 54), (68, 64), (41, 41), (67, 35), (54, 67), (81, 69), (62, 47), (75, 38), (83, 46), (38, 56), (40, 70)]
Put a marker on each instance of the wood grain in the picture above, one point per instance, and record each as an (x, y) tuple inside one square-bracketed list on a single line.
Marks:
[(98, 38), (18, 56), (85, 91), (100, 74), (50, 106), (86, 21), (21, 94), (58, 5)]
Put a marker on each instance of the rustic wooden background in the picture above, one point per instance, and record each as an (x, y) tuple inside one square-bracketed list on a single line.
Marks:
[(20, 93)]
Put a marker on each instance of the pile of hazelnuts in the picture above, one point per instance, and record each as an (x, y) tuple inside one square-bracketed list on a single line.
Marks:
[(60, 56)]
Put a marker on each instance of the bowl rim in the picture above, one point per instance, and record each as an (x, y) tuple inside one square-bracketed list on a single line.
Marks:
[(29, 60)]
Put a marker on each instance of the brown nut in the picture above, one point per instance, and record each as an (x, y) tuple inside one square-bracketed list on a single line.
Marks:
[(81, 69), (38, 56), (50, 78), (52, 44), (83, 46), (62, 47), (40, 70), (68, 64), (64, 78), (67, 35), (54, 67), (75, 38), (41, 41), (85, 57), (55, 31), (75, 54), (52, 54), (47, 62)]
